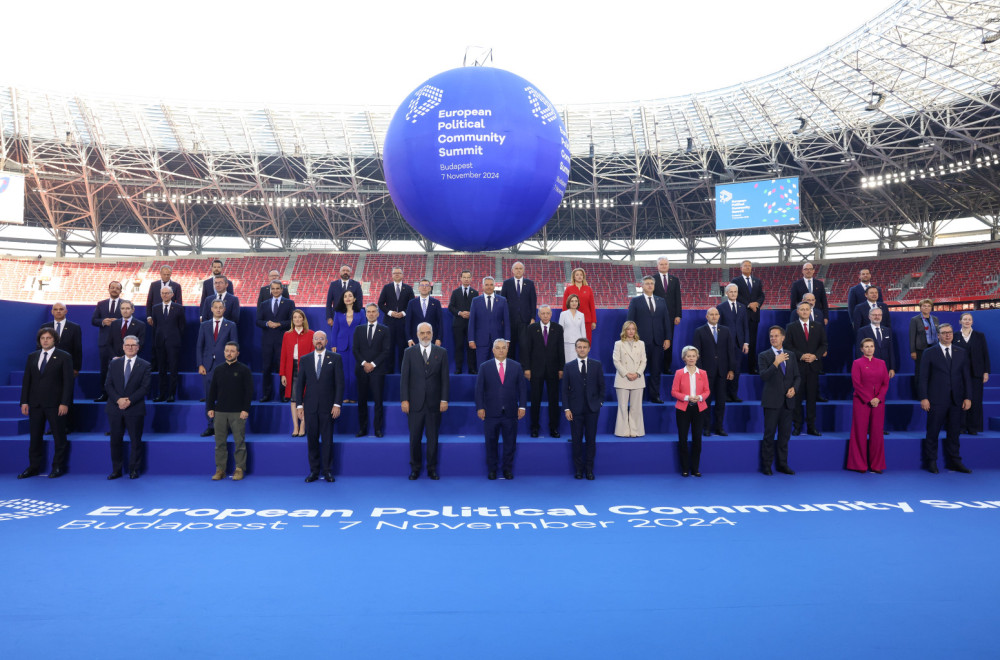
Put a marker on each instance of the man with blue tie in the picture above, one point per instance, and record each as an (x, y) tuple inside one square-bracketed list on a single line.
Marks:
[(392, 302), (423, 309), (733, 315), (944, 389), (717, 354), (371, 348), (751, 295), (522, 300), (882, 335), (858, 293), (46, 395), (501, 400), (213, 335), (583, 395), (872, 300), (127, 384), (649, 313), (779, 370), (489, 320), (319, 394), (274, 318), (105, 313), (810, 284), (923, 335), (209, 288), (168, 319), (231, 302)]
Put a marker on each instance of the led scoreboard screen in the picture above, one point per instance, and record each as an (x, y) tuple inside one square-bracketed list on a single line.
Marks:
[(757, 204), (11, 198)]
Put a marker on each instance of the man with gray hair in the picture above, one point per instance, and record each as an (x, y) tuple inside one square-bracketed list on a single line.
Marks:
[(668, 287), (501, 400), (127, 385), (810, 284), (733, 315), (423, 392), (522, 300)]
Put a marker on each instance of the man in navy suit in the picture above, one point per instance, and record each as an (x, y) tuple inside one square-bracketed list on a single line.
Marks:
[(127, 385), (649, 313), (70, 335), (337, 289), (807, 340), (734, 316), (858, 293), (153, 298), (809, 284), (944, 389), (213, 335), (489, 320), (46, 394), (751, 294), (274, 318), (265, 291), (371, 347), (423, 391), (459, 305), (815, 314), (423, 309), (168, 319), (668, 287), (873, 298), (231, 302), (319, 393), (501, 400), (882, 335), (522, 300), (126, 326), (544, 359), (105, 313), (392, 301), (779, 370), (716, 356), (209, 288), (583, 396)]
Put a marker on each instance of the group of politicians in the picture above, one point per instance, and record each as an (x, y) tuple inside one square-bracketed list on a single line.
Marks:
[(517, 352)]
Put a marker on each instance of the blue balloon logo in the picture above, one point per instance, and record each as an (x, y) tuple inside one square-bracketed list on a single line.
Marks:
[(476, 159)]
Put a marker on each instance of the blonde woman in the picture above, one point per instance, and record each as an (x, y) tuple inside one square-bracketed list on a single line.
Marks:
[(574, 324), (578, 285), (629, 357), (294, 344)]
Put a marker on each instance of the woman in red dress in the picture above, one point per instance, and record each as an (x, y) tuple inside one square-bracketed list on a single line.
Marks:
[(578, 285), (871, 381), (296, 343)]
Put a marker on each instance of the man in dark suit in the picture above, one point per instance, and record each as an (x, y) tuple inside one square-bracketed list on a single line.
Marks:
[(815, 314), (809, 284), (423, 391), (209, 288), (779, 370), (459, 305), (651, 319), (545, 357), (423, 309), (668, 287), (489, 320), (126, 326), (46, 394), (392, 301), (371, 347), (501, 400), (873, 298), (168, 319), (337, 289), (882, 335), (274, 318), (70, 335), (231, 302), (127, 384), (807, 340), (751, 294), (583, 396), (210, 349), (858, 293), (716, 356), (522, 300), (265, 291), (319, 393), (923, 335), (945, 386), (153, 298), (734, 316), (105, 313)]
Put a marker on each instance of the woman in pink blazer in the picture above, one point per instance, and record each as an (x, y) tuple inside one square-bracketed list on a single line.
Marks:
[(871, 381), (690, 390)]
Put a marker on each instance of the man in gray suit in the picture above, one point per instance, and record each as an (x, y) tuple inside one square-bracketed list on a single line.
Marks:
[(423, 390), (779, 370)]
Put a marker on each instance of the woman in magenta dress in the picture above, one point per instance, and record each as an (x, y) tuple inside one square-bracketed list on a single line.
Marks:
[(866, 448), (578, 285)]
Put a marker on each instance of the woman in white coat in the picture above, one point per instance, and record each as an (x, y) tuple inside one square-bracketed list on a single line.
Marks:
[(629, 357), (574, 326)]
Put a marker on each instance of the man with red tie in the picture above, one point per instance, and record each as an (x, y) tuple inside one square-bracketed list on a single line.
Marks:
[(125, 326), (807, 339), (501, 400), (213, 335)]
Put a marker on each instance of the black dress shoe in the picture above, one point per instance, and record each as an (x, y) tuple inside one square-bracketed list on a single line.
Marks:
[(361, 434), (822, 399), (56, 473), (491, 475), (876, 471), (554, 434), (107, 433), (379, 434), (590, 476), (117, 474), (101, 399), (736, 400), (263, 399), (473, 373), (313, 476), (720, 432), (685, 474), (432, 474), (207, 432), (413, 475), (285, 399), (814, 431), (656, 400), (958, 467), (328, 476), (706, 433), (766, 471), (970, 432), (170, 399), (796, 430), (29, 472), (534, 434), (134, 474), (201, 400), (458, 371), (578, 475), (507, 474), (932, 467), (159, 399), (884, 432), (696, 473), (784, 469)]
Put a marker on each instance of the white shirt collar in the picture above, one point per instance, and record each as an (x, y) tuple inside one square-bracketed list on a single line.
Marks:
[(949, 346), (878, 327), (498, 363), (777, 350)]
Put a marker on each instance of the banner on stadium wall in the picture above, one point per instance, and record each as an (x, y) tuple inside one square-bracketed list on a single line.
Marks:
[(12, 198)]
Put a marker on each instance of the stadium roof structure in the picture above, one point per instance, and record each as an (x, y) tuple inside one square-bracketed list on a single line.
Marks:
[(894, 129)]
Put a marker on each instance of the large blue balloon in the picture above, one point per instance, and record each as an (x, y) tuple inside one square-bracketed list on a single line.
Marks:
[(476, 159)]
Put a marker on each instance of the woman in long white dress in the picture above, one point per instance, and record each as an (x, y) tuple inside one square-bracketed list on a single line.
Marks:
[(574, 326)]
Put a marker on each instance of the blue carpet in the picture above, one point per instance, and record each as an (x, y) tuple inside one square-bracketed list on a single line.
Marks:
[(788, 584)]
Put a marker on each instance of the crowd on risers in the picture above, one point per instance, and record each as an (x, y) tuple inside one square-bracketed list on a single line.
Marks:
[(517, 351)]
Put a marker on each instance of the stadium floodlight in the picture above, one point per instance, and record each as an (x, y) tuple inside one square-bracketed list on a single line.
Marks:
[(876, 102), (992, 35), (802, 126)]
